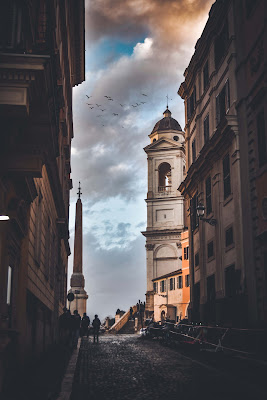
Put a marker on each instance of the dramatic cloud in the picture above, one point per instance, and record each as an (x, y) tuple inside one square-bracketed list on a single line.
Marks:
[(136, 53)]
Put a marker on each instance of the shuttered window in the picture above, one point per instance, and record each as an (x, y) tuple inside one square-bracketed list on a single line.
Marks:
[(206, 129), (208, 195), (226, 176)]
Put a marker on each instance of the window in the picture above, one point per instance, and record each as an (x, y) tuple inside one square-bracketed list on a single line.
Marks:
[(226, 176), (206, 75), (229, 237), (38, 227), (250, 6), (155, 287), (11, 14), (9, 295), (53, 260), (210, 250), (191, 103), (47, 249), (176, 138), (164, 177), (206, 129), (162, 286), (180, 282), (187, 280), (262, 151), (208, 195), (223, 102), (172, 283), (186, 253), (9, 286), (193, 211), (194, 150), (196, 259), (220, 45)]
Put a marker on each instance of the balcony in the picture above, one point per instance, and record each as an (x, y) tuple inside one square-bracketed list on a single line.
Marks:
[(164, 189)]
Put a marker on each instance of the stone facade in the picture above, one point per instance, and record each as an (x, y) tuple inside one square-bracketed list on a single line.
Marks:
[(42, 58), (165, 208), (252, 119), (221, 267)]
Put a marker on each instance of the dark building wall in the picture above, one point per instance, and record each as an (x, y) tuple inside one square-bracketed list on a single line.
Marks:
[(41, 59)]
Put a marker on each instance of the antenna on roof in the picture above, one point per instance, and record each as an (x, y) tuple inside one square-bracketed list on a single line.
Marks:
[(167, 100)]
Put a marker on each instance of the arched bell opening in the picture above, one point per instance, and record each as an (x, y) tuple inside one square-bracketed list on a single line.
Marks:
[(165, 181)]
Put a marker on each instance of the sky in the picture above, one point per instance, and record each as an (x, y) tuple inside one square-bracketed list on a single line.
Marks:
[(136, 54)]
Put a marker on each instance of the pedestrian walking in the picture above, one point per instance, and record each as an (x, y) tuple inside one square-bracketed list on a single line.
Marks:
[(76, 325), (96, 326), (85, 325)]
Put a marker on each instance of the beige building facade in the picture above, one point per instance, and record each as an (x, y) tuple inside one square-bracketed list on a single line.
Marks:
[(223, 277), (165, 208)]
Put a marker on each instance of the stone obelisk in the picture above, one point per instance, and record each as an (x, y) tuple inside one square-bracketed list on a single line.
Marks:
[(77, 278)]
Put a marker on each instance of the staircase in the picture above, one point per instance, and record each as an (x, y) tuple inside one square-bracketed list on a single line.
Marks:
[(124, 325)]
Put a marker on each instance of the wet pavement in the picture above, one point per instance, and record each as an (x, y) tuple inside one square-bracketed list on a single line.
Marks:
[(129, 367)]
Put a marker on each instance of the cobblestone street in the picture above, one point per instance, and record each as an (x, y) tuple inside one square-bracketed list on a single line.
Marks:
[(127, 367)]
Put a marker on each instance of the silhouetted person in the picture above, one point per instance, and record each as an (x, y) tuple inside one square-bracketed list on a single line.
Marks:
[(141, 313), (65, 326), (76, 324), (96, 326), (84, 325)]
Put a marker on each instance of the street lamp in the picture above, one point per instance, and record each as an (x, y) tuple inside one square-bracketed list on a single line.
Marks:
[(4, 217), (200, 214)]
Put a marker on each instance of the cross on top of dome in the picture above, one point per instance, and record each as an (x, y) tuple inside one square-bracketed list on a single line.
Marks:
[(79, 190)]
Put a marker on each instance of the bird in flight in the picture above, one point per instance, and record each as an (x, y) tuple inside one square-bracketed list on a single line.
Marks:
[(98, 105), (133, 105), (115, 114), (88, 96), (107, 97), (137, 104), (122, 105), (110, 99), (143, 102), (103, 109), (91, 108), (89, 104), (143, 94)]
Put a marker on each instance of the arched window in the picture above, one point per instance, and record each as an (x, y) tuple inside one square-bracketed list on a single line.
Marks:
[(165, 182)]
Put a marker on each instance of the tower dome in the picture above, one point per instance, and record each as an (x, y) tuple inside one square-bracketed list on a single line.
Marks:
[(167, 123)]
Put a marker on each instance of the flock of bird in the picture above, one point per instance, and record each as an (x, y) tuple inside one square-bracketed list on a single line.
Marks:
[(109, 98)]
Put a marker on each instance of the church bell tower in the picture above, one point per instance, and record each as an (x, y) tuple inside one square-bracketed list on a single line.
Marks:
[(165, 205)]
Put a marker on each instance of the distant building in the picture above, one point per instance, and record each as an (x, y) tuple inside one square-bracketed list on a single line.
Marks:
[(165, 206), (225, 107), (171, 291), (42, 58), (77, 281), (185, 273)]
